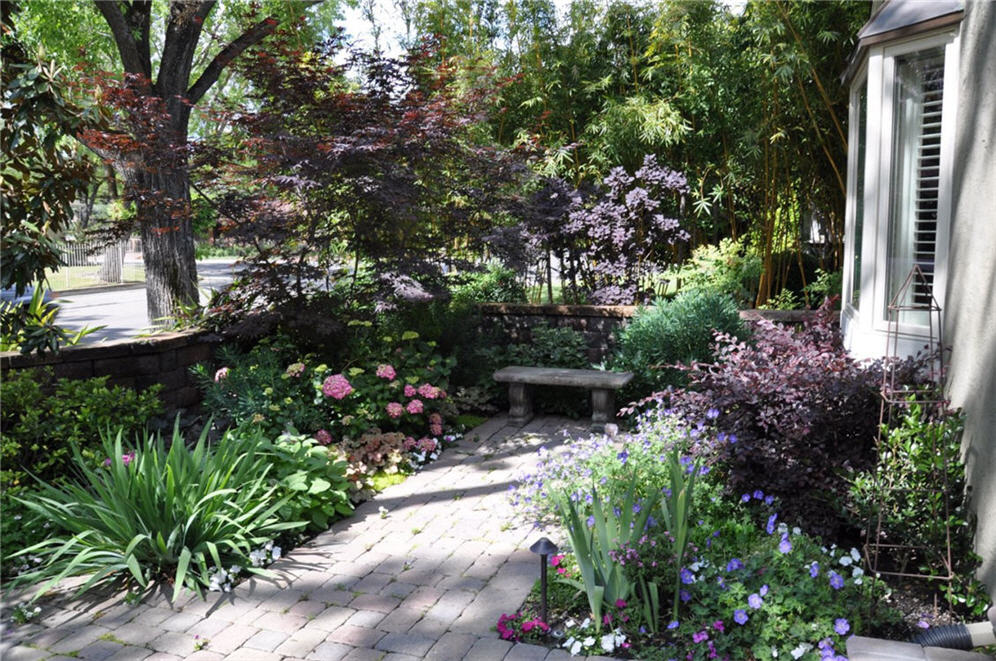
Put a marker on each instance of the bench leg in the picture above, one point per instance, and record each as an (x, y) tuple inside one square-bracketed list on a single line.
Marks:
[(603, 408), (520, 399)]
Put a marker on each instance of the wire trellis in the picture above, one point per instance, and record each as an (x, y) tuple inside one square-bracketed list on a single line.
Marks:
[(906, 557)]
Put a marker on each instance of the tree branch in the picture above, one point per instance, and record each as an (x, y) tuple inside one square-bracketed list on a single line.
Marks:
[(249, 38), (183, 31), (128, 48)]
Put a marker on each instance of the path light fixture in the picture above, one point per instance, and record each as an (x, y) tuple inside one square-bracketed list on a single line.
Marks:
[(544, 548)]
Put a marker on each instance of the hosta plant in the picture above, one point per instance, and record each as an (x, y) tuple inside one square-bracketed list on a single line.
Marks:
[(156, 514)]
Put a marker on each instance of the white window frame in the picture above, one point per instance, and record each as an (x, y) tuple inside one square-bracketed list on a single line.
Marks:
[(851, 210), (867, 324)]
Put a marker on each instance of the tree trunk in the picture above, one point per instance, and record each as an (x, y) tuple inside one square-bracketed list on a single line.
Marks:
[(167, 244), (110, 269)]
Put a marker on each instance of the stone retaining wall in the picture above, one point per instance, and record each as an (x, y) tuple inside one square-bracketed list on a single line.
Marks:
[(137, 364), (596, 322)]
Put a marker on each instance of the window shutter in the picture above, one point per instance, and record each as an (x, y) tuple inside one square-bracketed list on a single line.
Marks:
[(928, 176)]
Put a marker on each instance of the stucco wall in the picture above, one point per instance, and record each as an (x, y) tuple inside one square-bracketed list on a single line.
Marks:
[(970, 317)]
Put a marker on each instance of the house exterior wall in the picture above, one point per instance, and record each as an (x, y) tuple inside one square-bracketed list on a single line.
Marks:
[(970, 312)]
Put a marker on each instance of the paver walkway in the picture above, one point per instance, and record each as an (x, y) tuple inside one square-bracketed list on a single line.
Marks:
[(427, 581)]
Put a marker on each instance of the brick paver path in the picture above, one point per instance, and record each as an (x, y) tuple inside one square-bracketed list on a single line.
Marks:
[(426, 581)]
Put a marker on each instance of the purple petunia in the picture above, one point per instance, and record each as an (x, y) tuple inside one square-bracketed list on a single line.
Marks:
[(841, 626), (740, 617)]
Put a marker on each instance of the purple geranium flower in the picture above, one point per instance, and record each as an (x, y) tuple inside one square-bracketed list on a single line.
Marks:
[(770, 528), (785, 545), (841, 626), (754, 601), (836, 580), (734, 565), (740, 617), (814, 569)]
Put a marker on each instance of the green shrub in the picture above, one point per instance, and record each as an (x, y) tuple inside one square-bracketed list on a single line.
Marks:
[(497, 284), (156, 515), (312, 479), (37, 425), (917, 492), (727, 268), (679, 330), (549, 347)]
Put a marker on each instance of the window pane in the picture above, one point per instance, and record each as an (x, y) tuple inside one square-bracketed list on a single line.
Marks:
[(918, 97), (859, 192)]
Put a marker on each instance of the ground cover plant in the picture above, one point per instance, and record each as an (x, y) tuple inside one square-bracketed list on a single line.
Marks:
[(157, 513), (745, 584), (41, 419)]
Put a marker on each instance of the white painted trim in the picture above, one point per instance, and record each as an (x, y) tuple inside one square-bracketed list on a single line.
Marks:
[(865, 327)]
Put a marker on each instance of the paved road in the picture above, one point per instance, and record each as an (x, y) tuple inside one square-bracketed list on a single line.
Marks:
[(123, 311)]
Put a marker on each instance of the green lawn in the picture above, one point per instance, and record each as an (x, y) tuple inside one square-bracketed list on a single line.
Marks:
[(77, 277)]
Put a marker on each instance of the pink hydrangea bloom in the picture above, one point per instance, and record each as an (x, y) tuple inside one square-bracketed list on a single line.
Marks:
[(435, 419), (428, 391), (395, 410), (436, 430), (386, 372), (409, 443), (323, 437), (336, 387), (414, 407), (427, 444), (220, 374), (294, 370), (410, 391)]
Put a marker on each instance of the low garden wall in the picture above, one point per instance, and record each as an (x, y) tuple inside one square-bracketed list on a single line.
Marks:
[(137, 364), (597, 323)]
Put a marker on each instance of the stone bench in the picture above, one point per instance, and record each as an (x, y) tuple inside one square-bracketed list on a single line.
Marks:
[(602, 385)]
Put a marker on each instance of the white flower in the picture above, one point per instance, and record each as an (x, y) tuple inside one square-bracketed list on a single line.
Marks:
[(858, 571), (383, 511), (608, 642), (268, 545), (846, 560), (588, 642), (575, 648), (856, 555), (276, 553), (797, 530), (695, 566), (586, 623), (800, 650), (782, 528), (774, 651), (570, 623)]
